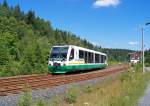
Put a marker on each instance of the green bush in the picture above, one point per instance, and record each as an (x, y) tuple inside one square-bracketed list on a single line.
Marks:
[(56, 99), (25, 99), (71, 95), (125, 76), (137, 67), (40, 103), (88, 89)]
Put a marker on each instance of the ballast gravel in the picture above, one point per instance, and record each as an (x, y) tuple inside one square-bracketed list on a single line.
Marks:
[(48, 93)]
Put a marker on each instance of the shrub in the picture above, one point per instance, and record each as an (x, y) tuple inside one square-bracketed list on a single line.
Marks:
[(138, 67), (26, 68), (40, 103), (71, 95), (26, 97), (125, 76), (56, 99), (88, 89)]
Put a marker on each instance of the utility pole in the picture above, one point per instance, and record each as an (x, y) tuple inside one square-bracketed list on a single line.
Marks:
[(142, 51)]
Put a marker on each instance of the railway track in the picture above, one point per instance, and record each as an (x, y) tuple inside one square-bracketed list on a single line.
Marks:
[(14, 85)]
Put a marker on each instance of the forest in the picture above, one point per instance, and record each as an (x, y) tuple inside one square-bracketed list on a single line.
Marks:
[(26, 39)]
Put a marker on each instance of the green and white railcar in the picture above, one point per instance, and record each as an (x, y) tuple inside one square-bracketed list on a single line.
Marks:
[(69, 58)]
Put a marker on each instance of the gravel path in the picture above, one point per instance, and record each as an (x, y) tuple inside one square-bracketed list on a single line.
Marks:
[(145, 100), (147, 68), (47, 94)]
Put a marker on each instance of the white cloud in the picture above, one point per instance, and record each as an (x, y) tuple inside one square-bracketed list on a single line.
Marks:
[(133, 43), (105, 3)]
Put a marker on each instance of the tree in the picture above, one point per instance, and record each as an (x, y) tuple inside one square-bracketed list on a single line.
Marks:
[(5, 4), (147, 57), (17, 13), (4, 56), (30, 17)]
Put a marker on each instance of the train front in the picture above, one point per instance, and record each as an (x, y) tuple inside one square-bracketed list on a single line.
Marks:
[(58, 59)]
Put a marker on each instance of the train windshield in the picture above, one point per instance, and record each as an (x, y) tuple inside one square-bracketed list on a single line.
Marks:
[(59, 53)]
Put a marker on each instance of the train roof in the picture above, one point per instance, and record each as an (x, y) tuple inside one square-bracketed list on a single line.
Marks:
[(81, 48)]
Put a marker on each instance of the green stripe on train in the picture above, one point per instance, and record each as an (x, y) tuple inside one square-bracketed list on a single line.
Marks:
[(65, 69)]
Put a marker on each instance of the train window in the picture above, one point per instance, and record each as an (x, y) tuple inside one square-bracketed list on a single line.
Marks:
[(86, 57), (102, 59), (71, 54), (105, 58), (90, 57), (58, 53), (96, 58), (81, 54)]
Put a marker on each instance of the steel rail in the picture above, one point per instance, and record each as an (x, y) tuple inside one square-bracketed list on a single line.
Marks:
[(13, 85)]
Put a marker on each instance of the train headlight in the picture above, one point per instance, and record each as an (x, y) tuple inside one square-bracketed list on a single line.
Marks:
[(50, 63)]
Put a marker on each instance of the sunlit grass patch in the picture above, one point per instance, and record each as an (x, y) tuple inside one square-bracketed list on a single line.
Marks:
[(124, 90)]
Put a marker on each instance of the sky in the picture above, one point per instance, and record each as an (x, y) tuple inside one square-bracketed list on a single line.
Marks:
[(106, 23)]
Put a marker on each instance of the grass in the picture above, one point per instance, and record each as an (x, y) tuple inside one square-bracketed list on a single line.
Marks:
[(123, 90), (113, 63)]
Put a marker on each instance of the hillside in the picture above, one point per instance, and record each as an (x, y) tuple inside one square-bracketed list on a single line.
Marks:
[(26, 39)]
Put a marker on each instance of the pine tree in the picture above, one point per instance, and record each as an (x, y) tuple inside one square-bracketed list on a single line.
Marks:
[(5, 4), (30, 17), (17, 13)]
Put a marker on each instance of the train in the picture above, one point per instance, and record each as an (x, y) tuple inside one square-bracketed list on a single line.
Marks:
[(70, 58)]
